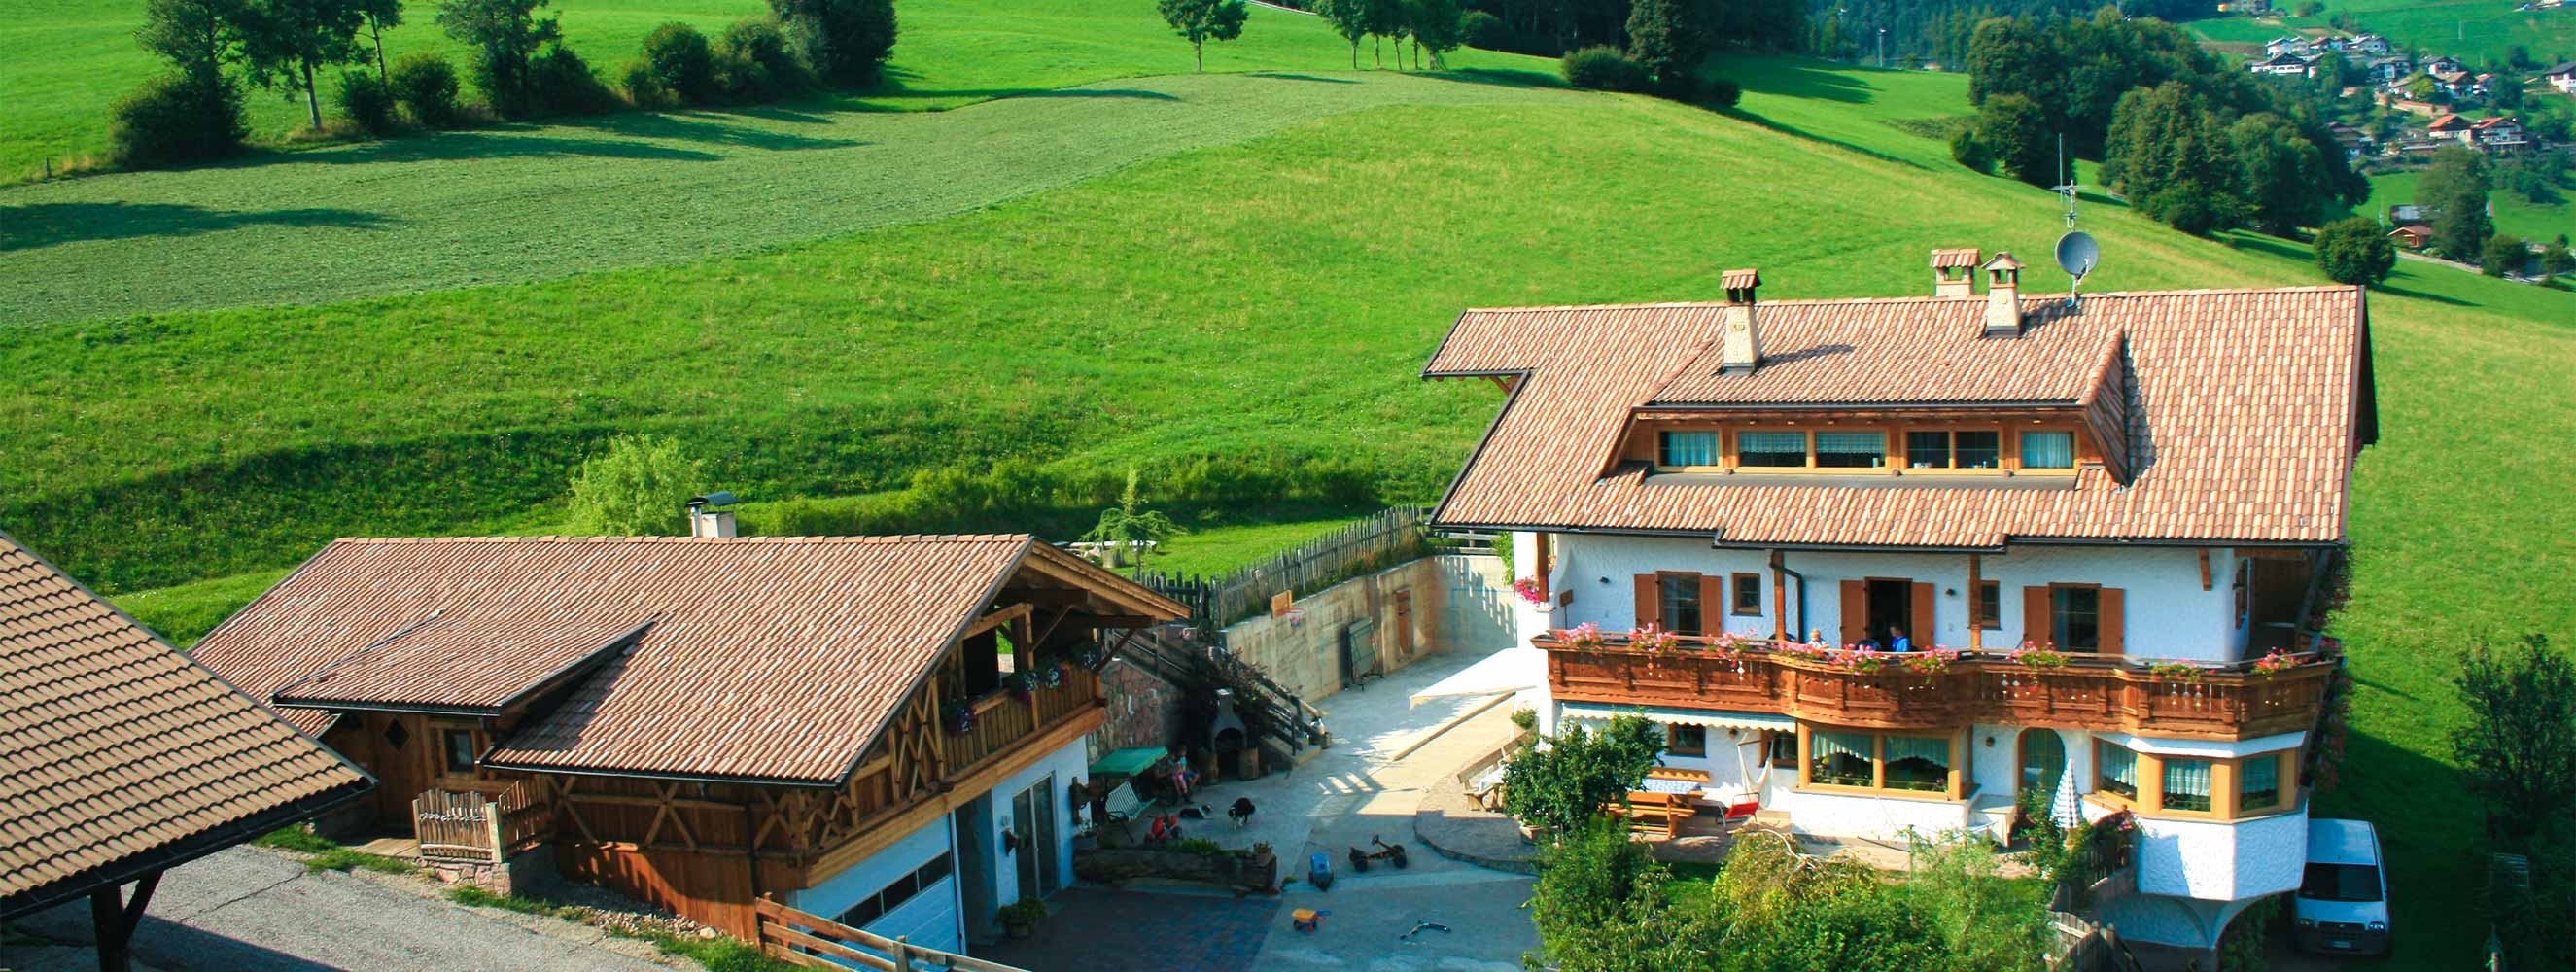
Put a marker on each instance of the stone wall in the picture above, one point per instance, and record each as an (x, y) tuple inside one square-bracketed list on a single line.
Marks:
[(531, 873), (1440, 603), (1144, 710)]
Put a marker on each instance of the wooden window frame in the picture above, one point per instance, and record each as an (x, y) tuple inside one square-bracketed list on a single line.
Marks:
[(2051, 633), (1979, 617), (1957, 788), (1699, 589), (2003, 455), (1673, 736), (2074, 450), (1776, 742), (1725, 449), (2216, 777), (2138, 765), (2224, 780), (1735, 603), (1731, 448), (473, 745)]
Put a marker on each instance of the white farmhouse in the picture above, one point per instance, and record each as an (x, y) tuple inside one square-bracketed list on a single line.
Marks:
[(2105, 531)]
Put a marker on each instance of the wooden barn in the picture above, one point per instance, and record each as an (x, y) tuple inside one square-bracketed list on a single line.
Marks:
[(876, 730)]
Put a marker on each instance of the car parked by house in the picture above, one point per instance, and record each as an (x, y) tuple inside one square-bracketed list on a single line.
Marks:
[(2342, 904)]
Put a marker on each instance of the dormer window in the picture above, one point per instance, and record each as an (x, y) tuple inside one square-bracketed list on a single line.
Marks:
[(1946, 449), (1683, 450), (1851, 450), (1771, 450), (2048, 450)]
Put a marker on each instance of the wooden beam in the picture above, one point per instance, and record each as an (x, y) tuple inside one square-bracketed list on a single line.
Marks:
[(1048, 629), (1977, 601), (996, 619), (1047, 596), (894, 823), (2204, 568)]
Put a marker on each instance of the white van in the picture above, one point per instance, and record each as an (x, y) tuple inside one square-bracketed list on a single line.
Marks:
[(2342, 905)]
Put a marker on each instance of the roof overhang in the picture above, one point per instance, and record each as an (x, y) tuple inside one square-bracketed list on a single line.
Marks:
[(1679, 717), (286, 697)]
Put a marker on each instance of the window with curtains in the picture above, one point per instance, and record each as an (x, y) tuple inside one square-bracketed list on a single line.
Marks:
[(1851, 450), (2186, 785), (1680, 601), (1942, 449), (1771, 450), (1682, 449), (2048, 450), (1917, 763), (1686, 740), (1841, 758), (2116, 769), (2075, 618), (2258, 783)]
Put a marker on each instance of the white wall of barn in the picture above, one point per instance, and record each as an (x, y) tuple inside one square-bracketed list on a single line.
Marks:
[(2168, 615)]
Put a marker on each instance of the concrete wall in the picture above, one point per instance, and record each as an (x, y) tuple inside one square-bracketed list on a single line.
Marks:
[(1458, 603), (2168, 615)]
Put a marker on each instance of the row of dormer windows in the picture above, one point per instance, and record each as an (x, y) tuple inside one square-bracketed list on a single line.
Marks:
[(1923, 450)]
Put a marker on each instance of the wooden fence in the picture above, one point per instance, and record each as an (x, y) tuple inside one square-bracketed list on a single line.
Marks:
[(1389, 537), (485, 824), (794, 936)]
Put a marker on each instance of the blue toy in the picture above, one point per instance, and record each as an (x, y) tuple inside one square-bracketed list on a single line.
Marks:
[(1320, 872)]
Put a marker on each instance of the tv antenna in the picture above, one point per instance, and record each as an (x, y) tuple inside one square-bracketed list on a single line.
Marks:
[(2077, 253)]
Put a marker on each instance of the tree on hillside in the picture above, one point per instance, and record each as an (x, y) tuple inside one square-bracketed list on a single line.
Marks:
[(2013, 133), (637, 486), (2280, 171), (845, 42), (678, 60), (2505, 254), (194, 113), (1563, 780), (1201, 21), (1384, 19), (1667, 38), (1437, 27), (2354, 251), (198, 37), (286, 42), (2454, 189), (380, 15), (505, 36), (1349, 19), (2169, 154), (2519, 742), (1130, 527)]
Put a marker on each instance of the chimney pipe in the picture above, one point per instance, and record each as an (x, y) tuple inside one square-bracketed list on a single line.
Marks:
[(1954, 272), (704, 522), (2003, 295), (1740, 343)]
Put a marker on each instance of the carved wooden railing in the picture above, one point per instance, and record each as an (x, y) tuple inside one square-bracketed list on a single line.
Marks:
[(1003, 719), (488, 820), (2083, 693)]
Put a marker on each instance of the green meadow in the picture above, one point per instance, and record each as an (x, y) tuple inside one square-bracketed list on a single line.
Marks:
[(2513, 213), (1265, 291)]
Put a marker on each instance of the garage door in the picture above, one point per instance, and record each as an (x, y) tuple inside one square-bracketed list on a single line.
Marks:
[(929, 919)]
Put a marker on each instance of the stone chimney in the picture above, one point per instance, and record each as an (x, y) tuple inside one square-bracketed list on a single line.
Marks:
[(706, 522), (2003, 295), (1740, 347), (1954, 272)]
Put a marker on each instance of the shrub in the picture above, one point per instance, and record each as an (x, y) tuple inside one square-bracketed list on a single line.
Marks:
[(2354, 251), (1722, 93), (2504, 254), (175, 119), (559, 81), (1481, 29), (681, 63), (844, 41), (1603, 69), (636, 486), (425, 85), (365, 102), (637, 79), (1970, 152), (753, 63)]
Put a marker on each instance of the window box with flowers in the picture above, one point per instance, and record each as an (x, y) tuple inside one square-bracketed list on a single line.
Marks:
[(1581, 637), (1529, 590), (2036, 655)]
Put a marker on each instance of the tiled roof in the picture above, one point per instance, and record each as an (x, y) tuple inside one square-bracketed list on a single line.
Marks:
[(2243, 411), (767, 657), (119, 749), (1954, 259), (465, 660)]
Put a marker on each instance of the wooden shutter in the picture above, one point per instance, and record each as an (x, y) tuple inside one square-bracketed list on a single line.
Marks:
[(2115, 616), (1650, 600), (1921, 632), (2034, 615), (1855, 611), (1713, 606)]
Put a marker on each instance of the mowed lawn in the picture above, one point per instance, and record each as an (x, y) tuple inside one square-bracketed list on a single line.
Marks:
[(1277, 294), (949, 53), (2513, 213), (2480, 31)]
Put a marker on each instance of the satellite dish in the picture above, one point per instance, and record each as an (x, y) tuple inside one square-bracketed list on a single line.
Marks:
[(2077, 253)]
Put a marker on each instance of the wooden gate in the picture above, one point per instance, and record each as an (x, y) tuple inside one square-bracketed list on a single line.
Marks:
[(813, 942)]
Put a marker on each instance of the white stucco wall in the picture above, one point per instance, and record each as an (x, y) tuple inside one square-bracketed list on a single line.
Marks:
[(2168, 615), (1877, 818), (2215, 861), (1067, 764)]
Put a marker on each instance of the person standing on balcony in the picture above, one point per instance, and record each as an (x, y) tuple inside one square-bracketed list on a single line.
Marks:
[(1896, 639)]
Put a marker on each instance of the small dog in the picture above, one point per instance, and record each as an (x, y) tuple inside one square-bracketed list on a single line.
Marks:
[(1240, 812)]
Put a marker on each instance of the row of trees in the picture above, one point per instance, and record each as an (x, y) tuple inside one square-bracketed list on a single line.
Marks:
[(517, 61), (1554, 27), (2190, 141), (1434, 25)]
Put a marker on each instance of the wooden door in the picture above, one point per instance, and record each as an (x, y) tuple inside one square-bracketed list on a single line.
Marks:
[(404, 748), (1404, 622)]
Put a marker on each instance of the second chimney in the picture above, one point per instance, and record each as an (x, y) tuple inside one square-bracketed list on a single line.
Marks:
[(705, 521), (1740, 345), (1954, 273), (2003, 295)]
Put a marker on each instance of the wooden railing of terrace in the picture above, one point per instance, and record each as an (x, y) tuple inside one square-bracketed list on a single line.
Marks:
[(489, 820), (2083, 693), (821, 943)]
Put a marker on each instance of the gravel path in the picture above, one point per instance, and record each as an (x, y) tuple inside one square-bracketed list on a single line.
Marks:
[(246, 909)]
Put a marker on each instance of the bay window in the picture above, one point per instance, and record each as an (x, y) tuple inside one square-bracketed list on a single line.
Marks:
[(2258, 783), (2205, 787), (1841, 758), (1885, 762), (2186, 785), (2117, 769)]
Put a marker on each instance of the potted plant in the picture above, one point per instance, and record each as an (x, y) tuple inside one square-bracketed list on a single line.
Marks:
[(1020, 918), (2275, 662), (2175, 671), (1653, 640), (958, 717), (1530, 590), (1933, 662), (1581, 637), (2034, 655)]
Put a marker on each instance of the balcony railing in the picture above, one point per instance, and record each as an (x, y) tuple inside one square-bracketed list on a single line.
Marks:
[(1004, 719), (2106, 694)]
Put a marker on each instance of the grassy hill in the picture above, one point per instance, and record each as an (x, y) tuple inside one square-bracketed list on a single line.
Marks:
[(2513, 213), (2481, 31), (1264, 298)]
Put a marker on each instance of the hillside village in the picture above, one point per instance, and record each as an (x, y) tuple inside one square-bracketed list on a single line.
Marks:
[(754, 485)]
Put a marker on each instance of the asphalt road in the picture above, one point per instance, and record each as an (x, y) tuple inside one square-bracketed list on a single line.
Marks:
[(243, 910)]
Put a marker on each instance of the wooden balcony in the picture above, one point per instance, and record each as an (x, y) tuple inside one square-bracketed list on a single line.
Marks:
[(2109, 695), (1003, 719)]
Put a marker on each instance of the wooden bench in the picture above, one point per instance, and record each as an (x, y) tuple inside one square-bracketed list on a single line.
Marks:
[(1656, 816)]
